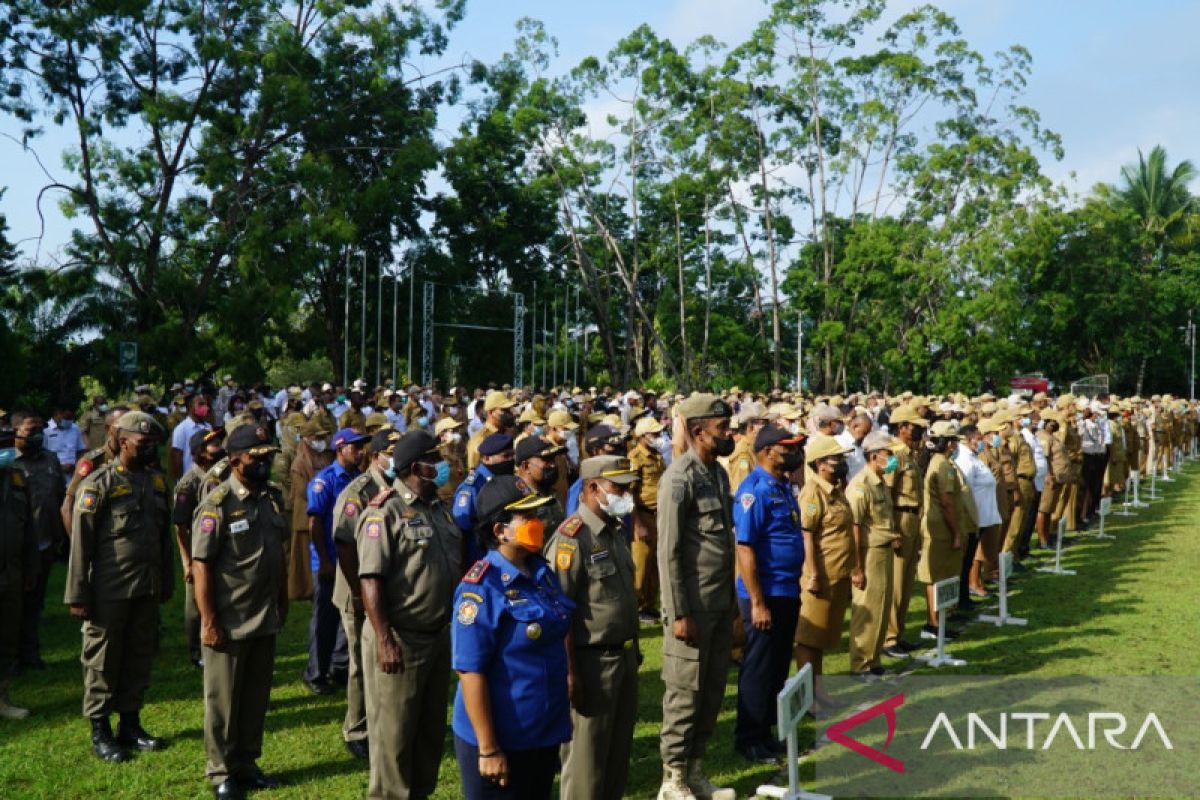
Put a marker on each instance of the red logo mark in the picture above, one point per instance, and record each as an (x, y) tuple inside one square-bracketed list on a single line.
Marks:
[(837, 732)]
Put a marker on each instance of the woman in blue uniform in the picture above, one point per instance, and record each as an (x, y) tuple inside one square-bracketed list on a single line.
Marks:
[(508, 642)]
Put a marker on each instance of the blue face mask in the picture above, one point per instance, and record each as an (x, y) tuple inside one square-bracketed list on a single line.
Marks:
[(443, 474), (423, 421), (7, 456), (536, 430), (391, 470), (980, 446), (996, 441), (893, 464), (64, 424)]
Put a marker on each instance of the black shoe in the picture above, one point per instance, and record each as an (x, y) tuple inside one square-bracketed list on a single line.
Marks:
[(260, 780), (229, 790), (130, 733), (895, 651), (908, 646), (776, 746), (865, 677), (319, 686), (359, 749), (104, 745), (339, 678), (757, 753), (649, 617), (930, 632)]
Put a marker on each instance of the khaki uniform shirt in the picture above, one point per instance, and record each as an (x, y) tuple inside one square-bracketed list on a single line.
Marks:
[(908, 481), (18, 544), (695, 538), (1026, 465), (121, 538), (741, 463), (474, 442), (825, 513), (650, 466), (347, 509), (871, 508), (415, 548), (239, 535), (353, 418), (187, 496), (92, 425), (942, 478), (595, 570), (44, 482)]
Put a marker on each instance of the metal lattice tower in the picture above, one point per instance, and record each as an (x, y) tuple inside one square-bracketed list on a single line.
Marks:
[(518, 339), (427, 336)]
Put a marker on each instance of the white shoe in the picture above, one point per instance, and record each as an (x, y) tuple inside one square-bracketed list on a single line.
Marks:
[(674, 787), (702, 787), (9, 711)]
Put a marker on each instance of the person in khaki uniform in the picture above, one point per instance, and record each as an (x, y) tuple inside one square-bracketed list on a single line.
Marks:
[(941, 528), (561, 427), (93, 424), (1070, 497), (238, 568), (831, 557), (907, 486), (353, 417), (595, 569), (19, 565), (536, 460), (454, 450), (90, 462), (695, 564), (312, 455), (648, 461), (1000, 463), (877, 536), (497, 407), (1026, 470), (1117, 470), (120, 572), (1056, 474), (207, 450), (409, 562), (347, 594)]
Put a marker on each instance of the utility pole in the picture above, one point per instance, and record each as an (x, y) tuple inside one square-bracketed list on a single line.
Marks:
[(346, 327), (412, 281), (379, 324), (395, 306), (800, 351), (362, 342)]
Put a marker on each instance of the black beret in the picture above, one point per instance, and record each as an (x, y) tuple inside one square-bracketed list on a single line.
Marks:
[(603, 434), (532, 446), (496, 443), (384, 439), (506, 493), (411, 446), (252, 439)]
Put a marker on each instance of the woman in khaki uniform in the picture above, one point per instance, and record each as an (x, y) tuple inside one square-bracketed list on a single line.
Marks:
[(832, 557), (941, 536)]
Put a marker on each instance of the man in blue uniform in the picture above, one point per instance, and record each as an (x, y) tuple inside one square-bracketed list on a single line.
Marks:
[(770, 553), (495, 458), (328, 654)]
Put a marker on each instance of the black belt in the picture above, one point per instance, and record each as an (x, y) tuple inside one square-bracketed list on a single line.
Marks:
[(909, 509), (608, 649), (1026, 477)]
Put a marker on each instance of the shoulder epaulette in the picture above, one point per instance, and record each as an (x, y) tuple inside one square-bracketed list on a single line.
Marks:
[(218, 494), (475, 574), (84, 467), (470, 479), (571, 526), (378, 500)]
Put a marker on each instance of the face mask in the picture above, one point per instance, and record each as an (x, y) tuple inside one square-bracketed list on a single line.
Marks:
[(536, 430), (980, 446), (200, 411), (318, 445), (893, 464), (792, 461), (1025, 422), (723, 445), (258, 471), (617, 505), (423, 421), (452, 438), (573, 448), (501, 468), (64, 424), (341, 398), (7, 456), (528, 535), (507, 420), (549, 475), (391, 469), (840, 470), (102, 408), (443, 474), (996, 440), (34, 441), (147, 454)]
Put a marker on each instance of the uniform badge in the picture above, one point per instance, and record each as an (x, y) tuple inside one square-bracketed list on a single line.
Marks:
[(512, 594), (374, 529), (241, 526), (318, 485), (564, 557), (678, 493), (747, 500), (120, 490), (180, 499), (350, 509), (87, 502), (84, 469), (810, 508), (208, 522), (533, 630), (467, 611), (463, 499)]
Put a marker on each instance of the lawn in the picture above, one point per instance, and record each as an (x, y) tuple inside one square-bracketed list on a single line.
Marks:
[(1131, 598)]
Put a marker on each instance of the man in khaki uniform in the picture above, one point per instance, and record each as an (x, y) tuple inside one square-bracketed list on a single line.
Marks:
[(93, 425), (409, 563), (19, 566), (449, 435), (120, 571), (347, 594), (742, 461), (561, 428), (695, 563), (313, 454), (499, 417), (1056, 474), (874, 528), (1026, 470), (907, 483), (1070, 496), (207, 450), (536, 462), (595, 569), (92, 460), (353, 417), (238, 570), (649, 463)]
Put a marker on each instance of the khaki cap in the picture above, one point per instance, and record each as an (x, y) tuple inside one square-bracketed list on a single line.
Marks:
[(611, 468), (446, 424), (562, 419), (878, 440), (822, 446), (944, 428), (701, 406), (496, 399), (907, 414), (647, 425), (139, 422)]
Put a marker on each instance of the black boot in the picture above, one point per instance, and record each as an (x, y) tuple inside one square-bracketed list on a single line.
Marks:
[(104, 745), (130, 733)]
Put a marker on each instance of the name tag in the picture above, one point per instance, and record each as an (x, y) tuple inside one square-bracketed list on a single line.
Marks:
[(597, 557), (241, 526)]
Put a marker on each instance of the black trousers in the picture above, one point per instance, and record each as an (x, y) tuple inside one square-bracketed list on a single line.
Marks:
[(31, 610), (766, 659), (530, 773), (968, 558), (1094, 465), (328, 652)]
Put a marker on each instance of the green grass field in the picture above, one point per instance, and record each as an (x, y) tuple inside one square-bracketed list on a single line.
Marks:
[(1127, 612)]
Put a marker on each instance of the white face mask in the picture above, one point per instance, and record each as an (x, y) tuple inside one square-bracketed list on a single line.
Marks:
[(318, 445), (452, 438), (617, 505)]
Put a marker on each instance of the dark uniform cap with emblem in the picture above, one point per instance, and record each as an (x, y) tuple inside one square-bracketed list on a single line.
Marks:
[(202, 437), (611, 468), (603, 434), (772, 435), (250, 439), (703, 406), (138, 422), (506, 493), (533, 446), (384, 439), (495, 444), (411, 446)]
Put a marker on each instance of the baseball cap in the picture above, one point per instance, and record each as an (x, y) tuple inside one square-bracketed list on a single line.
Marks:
[(611, 468), (534, 446), (348, 436)]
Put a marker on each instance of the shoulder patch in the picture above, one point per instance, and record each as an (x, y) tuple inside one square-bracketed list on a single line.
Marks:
[(208, 521), (678, 492), (467, 611), (571, 526), (374, 529), (470, 479), (478, 598), (89, 500), (350, 509), (378, 500), (475, 574), (17, 478), (746, 500), (318, 485), (563, 557), (84, 467), (464, 499), (160, 483)]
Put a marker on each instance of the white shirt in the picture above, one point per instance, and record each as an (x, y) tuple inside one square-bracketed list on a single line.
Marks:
[(396, 418), (855, 458), (1092, 437), (280, 402), (64, 442), (1039, 458), (182, 437), (982, 483)]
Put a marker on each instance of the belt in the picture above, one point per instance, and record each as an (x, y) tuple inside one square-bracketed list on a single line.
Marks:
[(608, 649), (909, 509), (1027, 477)]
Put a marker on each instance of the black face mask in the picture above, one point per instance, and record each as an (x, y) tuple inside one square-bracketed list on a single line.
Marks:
[(793, 461), (507, 420), (549, 476), (34, 442), (916, 432), (258, 470), (840, 470), (723, 445), (501, 468), (147, 454)]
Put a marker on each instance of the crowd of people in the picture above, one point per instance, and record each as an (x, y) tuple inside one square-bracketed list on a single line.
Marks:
[(520, 540)]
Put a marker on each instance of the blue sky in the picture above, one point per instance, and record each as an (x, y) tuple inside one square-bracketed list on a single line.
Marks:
[(1109, 75)]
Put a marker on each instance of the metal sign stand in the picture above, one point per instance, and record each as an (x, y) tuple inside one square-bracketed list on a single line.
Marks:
[(1137, 482), (1125, 503), (945, 595), (791, 705), (1057, 569), (1104, 511), (1002, 619), (1166, 478)]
